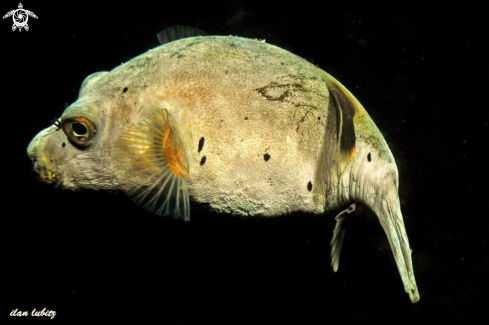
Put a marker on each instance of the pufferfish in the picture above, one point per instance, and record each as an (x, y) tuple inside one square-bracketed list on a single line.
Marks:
[(242, 125)]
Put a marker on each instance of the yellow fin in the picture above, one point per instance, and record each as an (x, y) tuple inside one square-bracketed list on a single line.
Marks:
[(345, 112), (152, 154)]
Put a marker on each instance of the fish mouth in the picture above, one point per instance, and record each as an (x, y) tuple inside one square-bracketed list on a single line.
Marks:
[(39, 161), (46, 175)]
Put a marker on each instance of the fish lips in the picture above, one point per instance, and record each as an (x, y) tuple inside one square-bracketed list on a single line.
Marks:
[(44, 168)]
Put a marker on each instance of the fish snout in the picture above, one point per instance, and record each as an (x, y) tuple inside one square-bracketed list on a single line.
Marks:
[(41, 165)]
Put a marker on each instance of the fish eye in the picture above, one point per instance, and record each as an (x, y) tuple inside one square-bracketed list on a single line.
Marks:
[(79, 131)]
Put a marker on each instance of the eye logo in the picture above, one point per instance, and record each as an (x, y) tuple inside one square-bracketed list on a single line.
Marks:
[(20, 17)]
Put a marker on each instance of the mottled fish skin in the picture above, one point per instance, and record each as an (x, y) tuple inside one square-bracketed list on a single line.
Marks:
[(261, 132)]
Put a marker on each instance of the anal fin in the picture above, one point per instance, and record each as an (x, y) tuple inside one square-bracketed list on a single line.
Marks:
[(339, 235)]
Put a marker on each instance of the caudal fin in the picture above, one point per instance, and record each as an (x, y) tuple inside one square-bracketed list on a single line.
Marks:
[(389, 213)]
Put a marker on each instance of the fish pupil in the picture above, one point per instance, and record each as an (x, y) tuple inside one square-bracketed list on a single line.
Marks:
[(79, 129)]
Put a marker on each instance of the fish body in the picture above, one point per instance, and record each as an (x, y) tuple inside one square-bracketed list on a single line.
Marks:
[(247, 127)]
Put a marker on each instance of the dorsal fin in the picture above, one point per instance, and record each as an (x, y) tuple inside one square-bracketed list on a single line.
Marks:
[(152, 156), (177, 32), (345, 112)]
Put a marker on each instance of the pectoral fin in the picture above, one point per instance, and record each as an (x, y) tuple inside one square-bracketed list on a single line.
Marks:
[(152, 153)]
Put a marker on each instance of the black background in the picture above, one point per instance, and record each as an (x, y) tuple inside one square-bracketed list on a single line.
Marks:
[(421, 72)]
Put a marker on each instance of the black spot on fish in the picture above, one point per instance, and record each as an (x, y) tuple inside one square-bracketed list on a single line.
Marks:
[(246, 118), (125, 90), (369, 157), (319, 118), (266, 157), (63, 145), (309, 186), (202, 161), (201, 144)]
